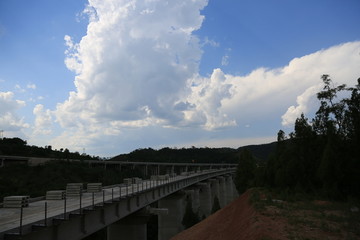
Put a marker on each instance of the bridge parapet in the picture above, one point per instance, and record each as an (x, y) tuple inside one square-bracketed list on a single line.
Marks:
[(77, 218)]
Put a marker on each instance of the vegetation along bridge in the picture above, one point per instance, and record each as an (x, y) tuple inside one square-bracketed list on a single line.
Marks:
[(123, 209)]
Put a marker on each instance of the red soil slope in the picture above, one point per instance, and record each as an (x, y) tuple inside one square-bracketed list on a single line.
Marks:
[(236, 221)]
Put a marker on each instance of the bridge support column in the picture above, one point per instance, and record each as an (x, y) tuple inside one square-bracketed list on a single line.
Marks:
[(214, 186), (229, 189), (193, 193), (132, 227), (235, 192), (196, 200), (205, 199), (169, 225), (222, 192)]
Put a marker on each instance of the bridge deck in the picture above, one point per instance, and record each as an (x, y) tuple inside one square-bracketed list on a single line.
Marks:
[(35, 213)]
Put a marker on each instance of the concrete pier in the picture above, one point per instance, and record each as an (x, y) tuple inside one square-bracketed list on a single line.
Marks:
[(196, 199), (235, 192), (215, 191), (130, 227), (205, 199), (229, 184), (222, 191), (169, 225)]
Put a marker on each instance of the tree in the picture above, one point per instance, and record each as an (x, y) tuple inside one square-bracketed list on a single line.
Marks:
[(330, 116), (352, 114), (245, 172), (329, 170), (281, 136), (322, 156)]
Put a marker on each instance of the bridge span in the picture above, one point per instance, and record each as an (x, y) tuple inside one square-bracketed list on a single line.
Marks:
[(122, 209)]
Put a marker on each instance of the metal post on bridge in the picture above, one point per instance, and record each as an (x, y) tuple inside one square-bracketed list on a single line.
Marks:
[(157, 177), (103, 192), (65, 208), (45, 219), (151, 185), (80, 204), (21, 220)]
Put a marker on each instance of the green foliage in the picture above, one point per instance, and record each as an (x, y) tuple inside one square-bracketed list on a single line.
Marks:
[(245, 172), (216, 205), (195, 155), (19, 147), (190, 217), (321, 155), (189, 155)]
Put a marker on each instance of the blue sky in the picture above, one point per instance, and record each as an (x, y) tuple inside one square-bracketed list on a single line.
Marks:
[(113, 76)]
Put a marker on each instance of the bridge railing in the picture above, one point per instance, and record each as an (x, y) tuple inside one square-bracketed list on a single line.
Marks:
[(110, 194)]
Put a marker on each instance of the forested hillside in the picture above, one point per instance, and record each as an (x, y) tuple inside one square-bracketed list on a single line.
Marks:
[(19, 147), (321, 156), (196, 155)]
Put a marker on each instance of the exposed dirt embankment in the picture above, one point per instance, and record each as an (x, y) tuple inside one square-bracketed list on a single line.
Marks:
[(238, 220), (268, 217)]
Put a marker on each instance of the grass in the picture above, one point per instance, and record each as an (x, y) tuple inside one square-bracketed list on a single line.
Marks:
[(308, 218)]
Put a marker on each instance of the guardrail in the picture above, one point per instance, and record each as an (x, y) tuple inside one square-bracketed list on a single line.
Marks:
[(110, 194)]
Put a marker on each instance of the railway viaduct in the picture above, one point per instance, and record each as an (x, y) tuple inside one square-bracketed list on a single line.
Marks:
[(123, 209)]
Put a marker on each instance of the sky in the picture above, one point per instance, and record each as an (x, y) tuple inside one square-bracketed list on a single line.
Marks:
[(107, 77)]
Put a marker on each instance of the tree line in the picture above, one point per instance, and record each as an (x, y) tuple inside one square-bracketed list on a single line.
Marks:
[(195, 155), (19, 147), (321, 156)]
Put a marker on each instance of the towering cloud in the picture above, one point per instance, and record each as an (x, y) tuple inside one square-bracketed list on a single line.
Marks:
[(138, 67), (134, 63)]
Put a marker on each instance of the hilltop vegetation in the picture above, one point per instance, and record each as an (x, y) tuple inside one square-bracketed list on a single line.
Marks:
[(19, 147), (321, 157), (196, 155)]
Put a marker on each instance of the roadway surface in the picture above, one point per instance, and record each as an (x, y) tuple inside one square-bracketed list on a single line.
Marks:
[(35, 213)]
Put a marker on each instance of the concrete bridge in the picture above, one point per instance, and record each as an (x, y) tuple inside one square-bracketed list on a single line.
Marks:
[(123, 209)]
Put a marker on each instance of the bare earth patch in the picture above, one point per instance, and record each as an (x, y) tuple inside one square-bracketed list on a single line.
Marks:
[(255, 215)]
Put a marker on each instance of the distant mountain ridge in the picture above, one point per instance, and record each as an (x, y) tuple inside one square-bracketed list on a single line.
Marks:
[(261, 152), (196, 155), (19, 147)]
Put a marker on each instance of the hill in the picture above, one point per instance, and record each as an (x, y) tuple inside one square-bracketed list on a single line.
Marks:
[(18, 147), (196, 155)]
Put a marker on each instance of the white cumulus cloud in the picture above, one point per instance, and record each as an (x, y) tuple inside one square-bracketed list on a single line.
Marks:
[(266, 94), (304, 101), (225, 60), (138, 67), (9, 120), (43, 120), (133, 63)]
